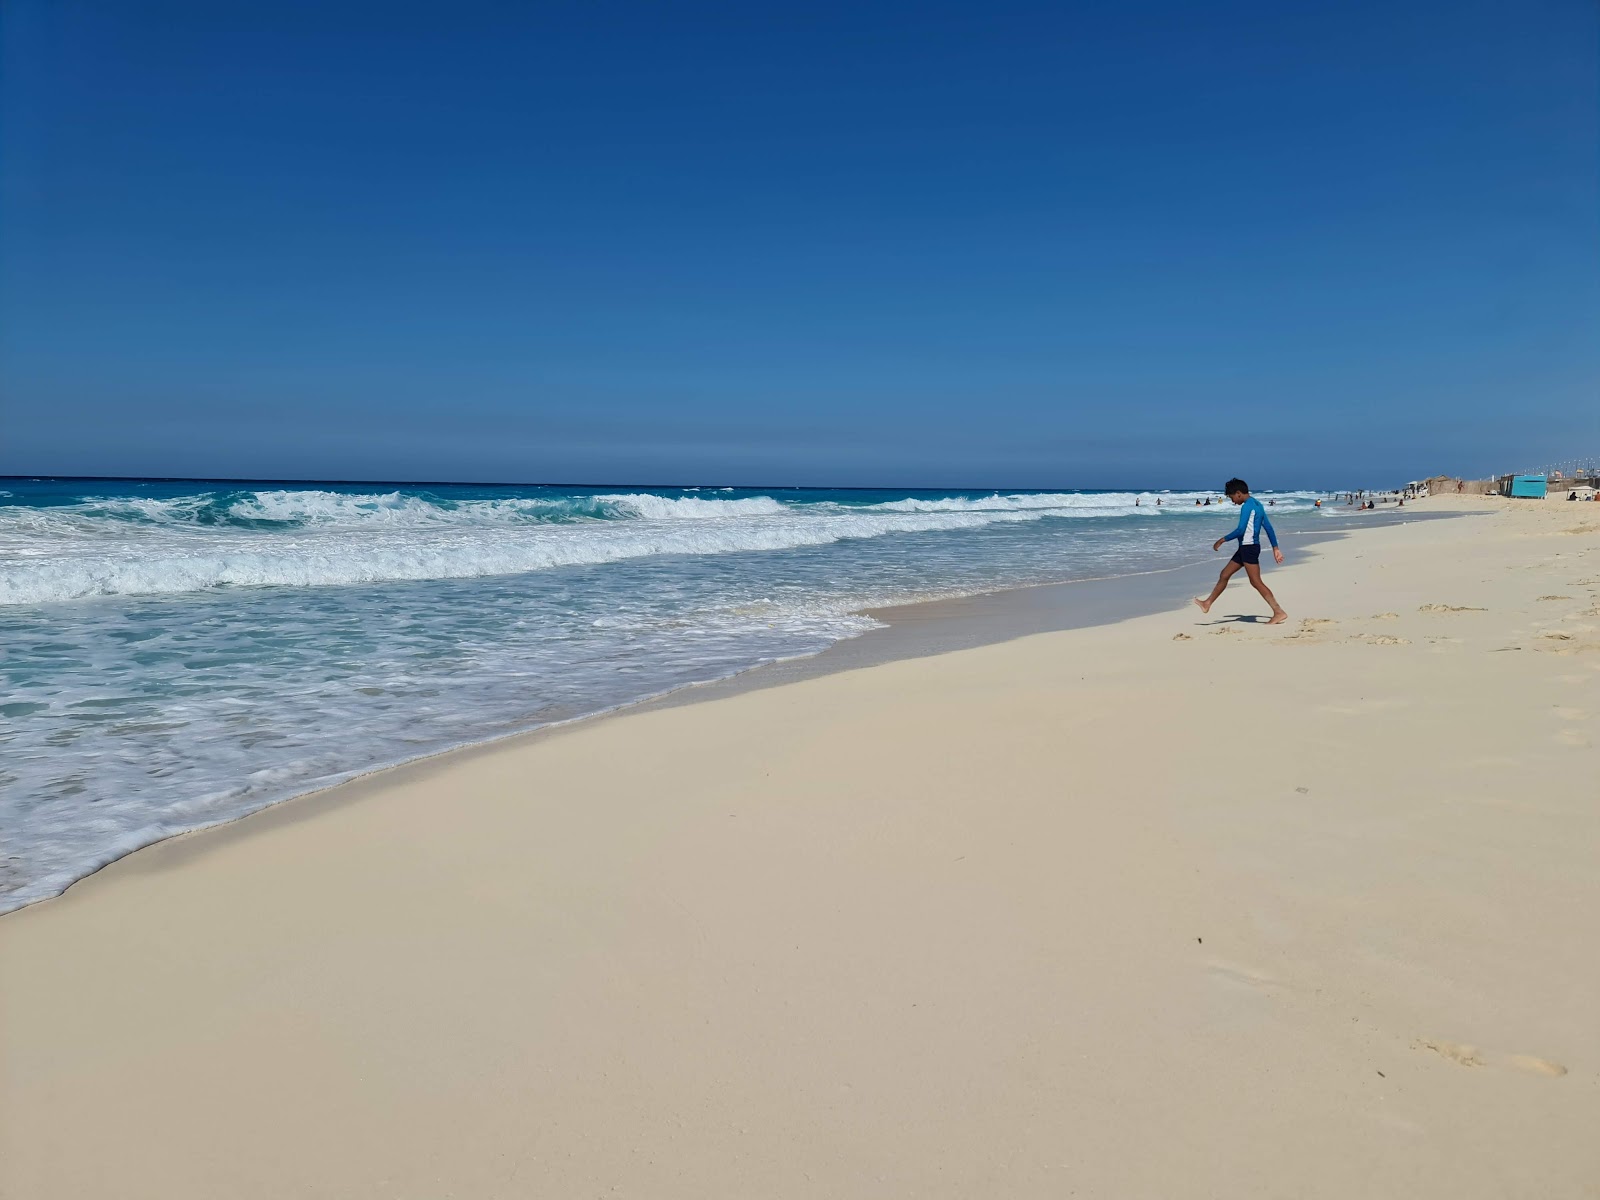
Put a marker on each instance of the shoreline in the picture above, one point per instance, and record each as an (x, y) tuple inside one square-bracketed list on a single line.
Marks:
[(909, 630), (942, 626), (1023, 919)]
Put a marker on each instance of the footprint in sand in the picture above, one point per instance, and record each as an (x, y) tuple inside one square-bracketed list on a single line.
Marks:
[(1555, 597), (1462, 1056), (1573, 737), (1182, 637), (1223, 630), (1380, 639), (1310, 628), (1450, 608), (1539, 1066), (1471, 1056), (1239, 976), (1386, 617)]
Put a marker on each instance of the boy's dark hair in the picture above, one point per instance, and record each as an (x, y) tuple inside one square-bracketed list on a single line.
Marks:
[(1234, 486)]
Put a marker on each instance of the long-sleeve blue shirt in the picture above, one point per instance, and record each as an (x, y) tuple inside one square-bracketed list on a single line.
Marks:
[(1252, 520)]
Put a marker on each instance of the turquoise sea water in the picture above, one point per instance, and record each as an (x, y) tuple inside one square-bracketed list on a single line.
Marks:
[(173, 655)]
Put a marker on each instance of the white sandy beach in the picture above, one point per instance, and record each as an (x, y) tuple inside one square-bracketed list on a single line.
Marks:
[(1178, 907)]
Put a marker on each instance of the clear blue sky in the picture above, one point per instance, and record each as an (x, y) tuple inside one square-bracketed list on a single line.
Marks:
[(1047, 244)]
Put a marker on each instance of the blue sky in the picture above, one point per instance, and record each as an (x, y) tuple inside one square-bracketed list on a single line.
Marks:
[(955, 245)]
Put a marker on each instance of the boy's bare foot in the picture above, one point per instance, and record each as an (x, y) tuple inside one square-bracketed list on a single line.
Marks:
[(1203, 605), (1278, 618)]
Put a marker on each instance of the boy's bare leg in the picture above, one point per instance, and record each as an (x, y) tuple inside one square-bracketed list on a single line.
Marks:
[(1254, 572), (1228, 573)]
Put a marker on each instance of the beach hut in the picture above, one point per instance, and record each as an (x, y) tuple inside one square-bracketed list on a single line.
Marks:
[(1522, 486)]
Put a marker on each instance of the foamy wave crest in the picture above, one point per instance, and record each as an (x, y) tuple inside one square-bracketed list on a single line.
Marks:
[(692, 508), (326, 508), (398, 508), (311, 538), (318, 508), (191, 560), (315, 508), (1102, 504)]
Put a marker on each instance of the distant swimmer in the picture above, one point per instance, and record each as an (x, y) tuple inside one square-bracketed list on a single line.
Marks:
[(1136, 502), (1252, 522), (1208, 501), (1317, 504)]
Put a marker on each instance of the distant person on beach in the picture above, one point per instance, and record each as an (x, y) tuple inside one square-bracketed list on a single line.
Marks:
[(1252, 522)]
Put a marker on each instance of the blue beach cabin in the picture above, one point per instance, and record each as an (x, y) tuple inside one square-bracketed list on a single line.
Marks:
[(1529, 486)]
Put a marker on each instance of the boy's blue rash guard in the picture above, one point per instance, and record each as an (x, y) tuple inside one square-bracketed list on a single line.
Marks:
[(1252, 520)]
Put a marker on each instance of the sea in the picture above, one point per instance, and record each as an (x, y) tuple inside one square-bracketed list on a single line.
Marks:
[(176, 654)]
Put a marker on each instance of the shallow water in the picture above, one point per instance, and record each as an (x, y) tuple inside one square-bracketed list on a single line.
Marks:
[(178, 654)]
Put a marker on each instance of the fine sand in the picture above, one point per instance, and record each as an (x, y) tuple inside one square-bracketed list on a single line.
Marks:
[(1178, 907)]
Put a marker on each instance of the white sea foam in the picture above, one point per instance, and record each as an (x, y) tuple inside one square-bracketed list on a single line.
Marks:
[(319, 507), (1105, 504), (327, 538), (368, 557), (311, 538), (692, 508)]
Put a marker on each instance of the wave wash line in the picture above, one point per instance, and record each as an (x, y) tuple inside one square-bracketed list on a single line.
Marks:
[(137, 545)]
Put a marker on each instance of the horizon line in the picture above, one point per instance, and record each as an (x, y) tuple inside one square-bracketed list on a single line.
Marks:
[(798, 487)]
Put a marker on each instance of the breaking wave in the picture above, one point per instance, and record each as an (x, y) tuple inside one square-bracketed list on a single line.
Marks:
[(310, 537)]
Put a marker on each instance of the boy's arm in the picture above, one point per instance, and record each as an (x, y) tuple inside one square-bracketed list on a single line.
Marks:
[(1272, 534), (1238, 532)]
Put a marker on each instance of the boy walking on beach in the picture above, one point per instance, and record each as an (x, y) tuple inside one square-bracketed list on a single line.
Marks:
[(1252, 521)]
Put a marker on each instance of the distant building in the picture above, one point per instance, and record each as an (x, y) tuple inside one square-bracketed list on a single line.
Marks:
[(1531, 487)]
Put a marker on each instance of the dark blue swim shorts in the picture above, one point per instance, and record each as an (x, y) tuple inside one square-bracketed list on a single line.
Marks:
[(1247, 555)]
